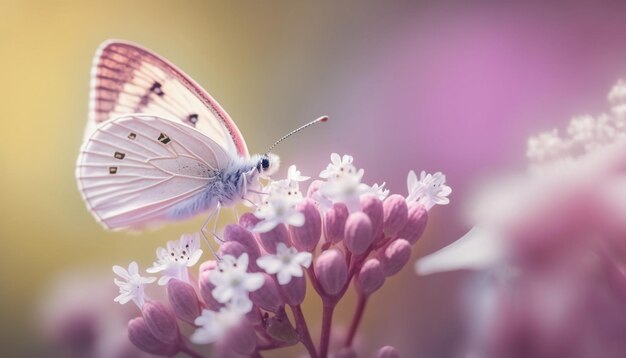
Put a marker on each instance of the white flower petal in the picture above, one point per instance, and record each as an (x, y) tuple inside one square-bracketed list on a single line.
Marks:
[(265, 225), (296, 219), (283, 277), (478, 249)]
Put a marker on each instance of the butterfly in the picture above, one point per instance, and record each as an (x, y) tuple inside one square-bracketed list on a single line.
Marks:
[(157, 146)]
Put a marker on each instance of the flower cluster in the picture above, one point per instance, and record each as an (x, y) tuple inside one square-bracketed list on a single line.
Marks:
[(584, 133), (551, 243), (341, 232)]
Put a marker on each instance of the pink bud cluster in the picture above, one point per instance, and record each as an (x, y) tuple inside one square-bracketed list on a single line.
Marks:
[(342, 247)]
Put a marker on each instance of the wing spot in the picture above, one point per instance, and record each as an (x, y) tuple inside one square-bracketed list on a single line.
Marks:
[(132, 136), (112, 170), (119, 155), (192, 119), (156, 89), (163, 138)]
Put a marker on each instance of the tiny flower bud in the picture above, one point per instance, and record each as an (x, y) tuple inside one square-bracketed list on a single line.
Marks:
[(279, 327), (395, 214), (370, 278), (237, 233), (161, 321), (206, 291), (345, 352), (373, 207), (240, 339), (335, 222), (332, 271), (207, 265), (387, 352), (313, 187), (270, 239), (416, 223), (394, 256), (267, 297), (183, 300), (306, 237), (293, 293), (358, 233), (248, 220), (141, 336)]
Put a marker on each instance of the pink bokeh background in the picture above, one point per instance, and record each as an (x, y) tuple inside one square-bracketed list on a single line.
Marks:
[(456, 87)]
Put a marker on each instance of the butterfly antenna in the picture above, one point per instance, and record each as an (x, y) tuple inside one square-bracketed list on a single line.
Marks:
[(319, 120)]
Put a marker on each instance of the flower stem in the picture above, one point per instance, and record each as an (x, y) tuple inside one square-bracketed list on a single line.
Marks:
[(356, 319), (303, 330), (327, 319)]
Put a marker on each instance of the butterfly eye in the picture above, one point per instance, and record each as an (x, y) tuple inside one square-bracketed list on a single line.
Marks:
[(265, 163)]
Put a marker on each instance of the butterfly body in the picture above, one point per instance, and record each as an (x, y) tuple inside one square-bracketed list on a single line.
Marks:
[(229, 186), (157, 146)]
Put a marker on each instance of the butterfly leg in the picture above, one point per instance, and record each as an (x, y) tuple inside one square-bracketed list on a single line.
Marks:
[(206, 222), (215, 214), (236, 212)]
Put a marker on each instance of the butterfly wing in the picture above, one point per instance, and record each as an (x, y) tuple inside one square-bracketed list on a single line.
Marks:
[(139, 169), (127, 78)]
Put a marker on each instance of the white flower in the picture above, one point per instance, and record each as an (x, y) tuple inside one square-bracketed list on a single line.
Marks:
[(379, 190), (132, 285), (293, 175), (281, 200), (429, 190), (213, 325), (277, 210), (176, 257), (343, 184), (338, 167), (287, 263), (233, 282)]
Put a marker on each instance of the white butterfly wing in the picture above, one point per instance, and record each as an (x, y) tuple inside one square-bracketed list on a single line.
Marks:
[(138, 169), (127, 78)]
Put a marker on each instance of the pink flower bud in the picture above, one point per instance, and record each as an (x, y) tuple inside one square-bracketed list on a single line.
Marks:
[(279, 327), (415, 224), (232, 248), (395, 214), (306, 237), (335, 222), (332, 271), (373, 207), (248, 220), (183, 300), (293, 293), (394, 256), (240, 339), (141, 336), (270, 239), (345, 352), (358, 233), (370, 278), (387, 352), (161, 321), (255, 317), (207, 266), (237, 233), (267, 297), (206, 291), (313, 187)]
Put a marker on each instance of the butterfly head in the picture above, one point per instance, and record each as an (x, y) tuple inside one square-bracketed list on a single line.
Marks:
[(268, 164)]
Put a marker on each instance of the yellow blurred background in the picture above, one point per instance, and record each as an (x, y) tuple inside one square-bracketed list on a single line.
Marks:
[(407, 85), (261, 62)]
